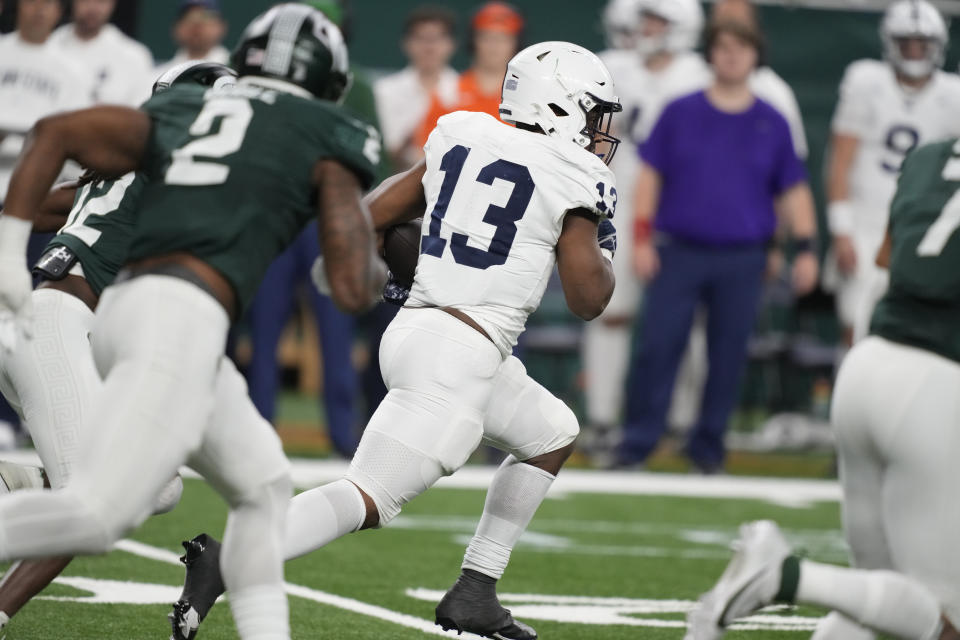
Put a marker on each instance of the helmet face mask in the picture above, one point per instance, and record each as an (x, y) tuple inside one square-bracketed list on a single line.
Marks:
[(599, 119), (564, 91), (207, 74), (907, 21)]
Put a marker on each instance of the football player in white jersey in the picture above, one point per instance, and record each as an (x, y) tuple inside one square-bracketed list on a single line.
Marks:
[(652, 62), (503, 206), (886, 109), (52, 379)]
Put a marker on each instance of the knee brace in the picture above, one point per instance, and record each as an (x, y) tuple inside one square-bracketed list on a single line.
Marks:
[(391, 473), (169, 497)]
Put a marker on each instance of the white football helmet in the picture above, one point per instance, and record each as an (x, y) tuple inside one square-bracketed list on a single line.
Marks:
[(685, 22), (621, 23), (566, 91), (914, 19)]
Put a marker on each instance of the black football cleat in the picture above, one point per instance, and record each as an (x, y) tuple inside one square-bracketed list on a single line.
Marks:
[(201, 588), (471, 605)]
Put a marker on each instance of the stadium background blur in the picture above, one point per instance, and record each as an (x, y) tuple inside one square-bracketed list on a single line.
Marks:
[(795, 346)]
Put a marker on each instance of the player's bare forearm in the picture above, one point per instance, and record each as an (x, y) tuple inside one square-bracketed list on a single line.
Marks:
[(795, 205), (355, 271), (586, 276), (398, 199), (56, 208), (108, 140)]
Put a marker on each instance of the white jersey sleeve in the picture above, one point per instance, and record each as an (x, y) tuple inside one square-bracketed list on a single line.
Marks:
[(769, 86), (496, 200), (855, 114)]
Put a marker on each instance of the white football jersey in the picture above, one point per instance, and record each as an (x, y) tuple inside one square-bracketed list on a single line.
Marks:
[(889, 121), (496, 199), (36, 80), (120, 69)]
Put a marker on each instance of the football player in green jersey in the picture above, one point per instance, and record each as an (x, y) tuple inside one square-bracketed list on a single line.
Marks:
[(232, 176), (895, 412), (52, 379)]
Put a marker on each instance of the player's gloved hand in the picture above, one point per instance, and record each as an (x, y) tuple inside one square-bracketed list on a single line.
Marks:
[(394, 292), (318, 273), (16, 286), (607, 238)]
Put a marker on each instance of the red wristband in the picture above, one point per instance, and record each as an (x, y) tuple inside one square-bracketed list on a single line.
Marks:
[(642, 230)]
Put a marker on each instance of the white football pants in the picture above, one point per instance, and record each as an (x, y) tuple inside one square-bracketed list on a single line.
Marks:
[(51, 381), (896, 411), (449, 388), (169, 397)]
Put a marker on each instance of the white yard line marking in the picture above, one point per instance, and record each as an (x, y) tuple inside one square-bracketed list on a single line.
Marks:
[(782, 491), (624, 611), (321, 597)]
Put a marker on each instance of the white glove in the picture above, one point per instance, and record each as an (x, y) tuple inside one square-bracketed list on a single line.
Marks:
[(318, 273), (16, 286)]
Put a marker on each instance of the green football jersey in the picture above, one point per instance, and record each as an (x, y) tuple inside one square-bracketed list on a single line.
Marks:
[(100, 227), (229, 174), (922, 305)]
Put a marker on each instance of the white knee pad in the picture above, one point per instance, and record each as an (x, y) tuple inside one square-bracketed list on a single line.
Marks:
[(525, 419), (169, 497), (391, 473)]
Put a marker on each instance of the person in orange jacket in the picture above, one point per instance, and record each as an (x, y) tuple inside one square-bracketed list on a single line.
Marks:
[(495, 37)]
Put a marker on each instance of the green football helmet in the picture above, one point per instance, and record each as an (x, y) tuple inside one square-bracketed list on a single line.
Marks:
[(297, 44)]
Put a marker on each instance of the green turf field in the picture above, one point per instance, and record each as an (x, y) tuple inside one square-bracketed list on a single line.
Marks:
[(593, 565)]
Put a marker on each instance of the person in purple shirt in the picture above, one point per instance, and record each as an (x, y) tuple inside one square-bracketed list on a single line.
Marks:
[(719, 169)]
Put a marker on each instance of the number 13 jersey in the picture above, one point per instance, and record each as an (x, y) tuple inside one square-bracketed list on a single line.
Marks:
[(496, 200), (230, 174)]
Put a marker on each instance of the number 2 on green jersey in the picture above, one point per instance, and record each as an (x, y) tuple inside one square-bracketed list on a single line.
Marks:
[(233, 115)]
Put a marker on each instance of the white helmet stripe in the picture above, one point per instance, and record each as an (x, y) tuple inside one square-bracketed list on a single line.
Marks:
[(283, 37)]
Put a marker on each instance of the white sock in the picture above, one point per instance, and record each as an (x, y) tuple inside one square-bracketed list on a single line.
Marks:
[(886, 601), (320, 516), (514, 496), (261, 612), (4, 619)]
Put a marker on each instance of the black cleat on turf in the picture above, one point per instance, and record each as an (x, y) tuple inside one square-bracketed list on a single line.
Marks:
[(471, 605), (201, 588)]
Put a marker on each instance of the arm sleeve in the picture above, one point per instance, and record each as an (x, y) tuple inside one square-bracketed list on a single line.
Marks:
[(853, 115)]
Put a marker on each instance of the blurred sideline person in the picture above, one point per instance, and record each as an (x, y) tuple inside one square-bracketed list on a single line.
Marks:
[(119, 66), (719, 167), (895, 413), (660, 65), (404, 97), (198, 32), (447, 356), (886, 109), (283, 152), (52, 379), (38, 80), (495, 37)]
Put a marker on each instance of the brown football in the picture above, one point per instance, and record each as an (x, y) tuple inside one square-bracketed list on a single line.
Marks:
[(401, 248)]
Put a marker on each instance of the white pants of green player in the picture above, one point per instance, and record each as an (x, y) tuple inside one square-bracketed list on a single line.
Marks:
[(896, 410), (169, 397), (450, 389), (51, 381)]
